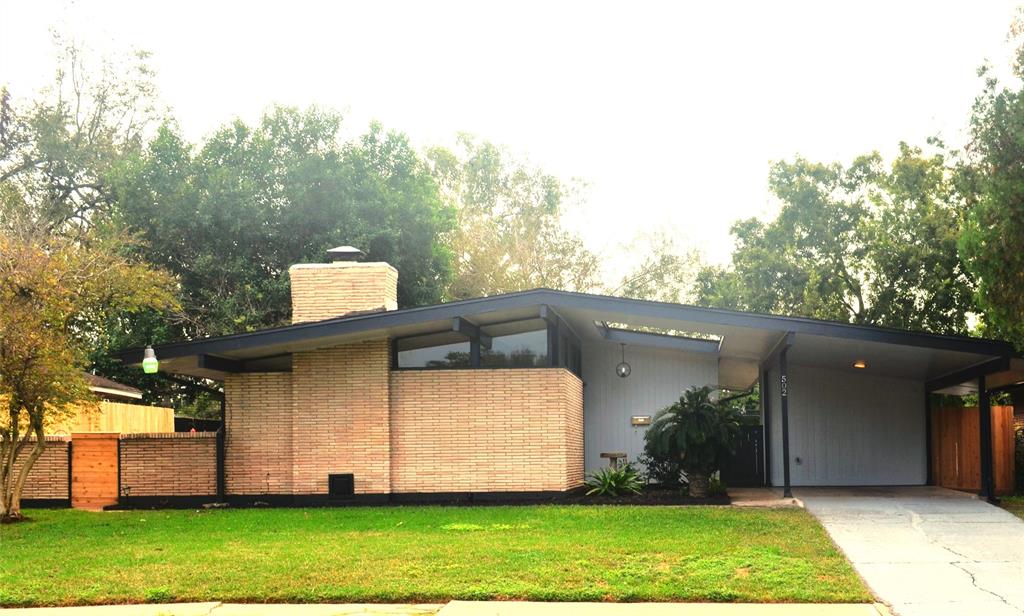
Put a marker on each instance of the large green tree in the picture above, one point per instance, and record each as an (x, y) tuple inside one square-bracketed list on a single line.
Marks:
[(230, 217), (994, 233), (510, 234), (870, 243)]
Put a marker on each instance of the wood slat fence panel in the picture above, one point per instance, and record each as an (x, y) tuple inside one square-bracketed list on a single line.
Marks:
[(94, 470), (956, 448), (120, 417)]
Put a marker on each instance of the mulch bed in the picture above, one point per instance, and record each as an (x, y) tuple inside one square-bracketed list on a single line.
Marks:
[(649, 496)]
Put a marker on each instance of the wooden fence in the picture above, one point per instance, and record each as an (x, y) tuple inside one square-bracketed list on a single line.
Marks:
[(119, 417), (956, 448)]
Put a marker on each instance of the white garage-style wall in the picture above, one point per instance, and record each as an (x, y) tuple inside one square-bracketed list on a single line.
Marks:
[(659, 377), (849, 428)]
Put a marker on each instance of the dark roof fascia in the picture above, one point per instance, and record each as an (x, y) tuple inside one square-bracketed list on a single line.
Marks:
[(668, 341), (714, 316), (968, 374)]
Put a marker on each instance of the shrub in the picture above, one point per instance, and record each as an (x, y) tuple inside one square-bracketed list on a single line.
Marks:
[(614, 481), (696, 432), (661, 471)]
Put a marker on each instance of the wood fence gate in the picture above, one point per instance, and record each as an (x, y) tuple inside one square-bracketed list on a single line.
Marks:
[(745, 468), (94, 468), (956, 448)]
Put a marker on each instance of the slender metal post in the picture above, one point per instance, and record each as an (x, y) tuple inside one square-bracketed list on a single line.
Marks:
[(929, 472), (787, 490), (766, 427), (988, 491)]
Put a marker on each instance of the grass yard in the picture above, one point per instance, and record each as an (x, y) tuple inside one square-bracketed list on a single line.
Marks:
[(558, 553), (1013, 504)]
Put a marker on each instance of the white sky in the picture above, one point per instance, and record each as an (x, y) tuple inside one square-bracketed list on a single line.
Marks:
[(669, 112)]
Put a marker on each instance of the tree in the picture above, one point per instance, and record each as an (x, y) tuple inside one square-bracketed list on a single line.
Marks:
[(509, 234), (667, 273), (994, 232), (230, 218), (56, 152), (869, 244), (54, 294)]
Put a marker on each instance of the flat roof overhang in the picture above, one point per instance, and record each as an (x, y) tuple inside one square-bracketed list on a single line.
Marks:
[(744, 340)]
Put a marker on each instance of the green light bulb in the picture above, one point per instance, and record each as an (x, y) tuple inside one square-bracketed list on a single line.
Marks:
[(150, 365)]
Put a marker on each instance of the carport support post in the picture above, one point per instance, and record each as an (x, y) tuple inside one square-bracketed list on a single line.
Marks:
[(988, 491), (787, 491)]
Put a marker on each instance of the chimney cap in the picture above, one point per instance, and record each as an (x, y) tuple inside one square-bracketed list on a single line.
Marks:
[(345, 253)]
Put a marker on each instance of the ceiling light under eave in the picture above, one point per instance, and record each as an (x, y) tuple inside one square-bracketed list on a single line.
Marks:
[(860, 363)]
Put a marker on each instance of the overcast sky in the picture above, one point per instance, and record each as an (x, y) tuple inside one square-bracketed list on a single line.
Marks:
[(671, 113)]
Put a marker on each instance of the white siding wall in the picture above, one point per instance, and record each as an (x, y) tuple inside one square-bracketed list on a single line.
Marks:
[(849, 429), (659, 376)]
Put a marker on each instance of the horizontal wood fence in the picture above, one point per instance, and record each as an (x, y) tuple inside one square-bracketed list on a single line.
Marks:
[(119, 417)]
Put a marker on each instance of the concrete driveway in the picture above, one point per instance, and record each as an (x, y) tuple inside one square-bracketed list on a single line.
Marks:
[(927, 551)]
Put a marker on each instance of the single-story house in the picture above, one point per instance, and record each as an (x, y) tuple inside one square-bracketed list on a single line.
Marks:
[(522, 393)]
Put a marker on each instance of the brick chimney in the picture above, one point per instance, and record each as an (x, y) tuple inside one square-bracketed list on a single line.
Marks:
[(344, 286)]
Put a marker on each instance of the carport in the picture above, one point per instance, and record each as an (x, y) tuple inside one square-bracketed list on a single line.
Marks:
[(854, 410)]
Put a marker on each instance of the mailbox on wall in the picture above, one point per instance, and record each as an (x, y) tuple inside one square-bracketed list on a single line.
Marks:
[(640, 420)]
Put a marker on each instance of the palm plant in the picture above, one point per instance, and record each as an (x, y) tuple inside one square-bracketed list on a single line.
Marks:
[(614, 481), (696, 432)]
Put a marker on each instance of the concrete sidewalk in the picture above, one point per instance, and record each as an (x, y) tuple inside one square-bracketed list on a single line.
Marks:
[(462, 608)]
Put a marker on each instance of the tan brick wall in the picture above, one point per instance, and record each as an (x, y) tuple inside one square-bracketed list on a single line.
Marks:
[(572, 407), (326, 290), (340, 405), (48, 477), (342, 410), (486, 430), (258, 419), (172, 464)]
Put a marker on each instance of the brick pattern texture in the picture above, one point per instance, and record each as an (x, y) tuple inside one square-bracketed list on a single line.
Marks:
[(258, 440), (340, 404), (171, 464), (49, 475), (326, 290), (486, 430)]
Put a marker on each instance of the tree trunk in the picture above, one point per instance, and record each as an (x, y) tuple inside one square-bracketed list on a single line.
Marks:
[(698, 484), (10, 498)]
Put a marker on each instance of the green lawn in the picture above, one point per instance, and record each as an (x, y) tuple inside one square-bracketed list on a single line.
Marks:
[(1014, 504), (65, 557)]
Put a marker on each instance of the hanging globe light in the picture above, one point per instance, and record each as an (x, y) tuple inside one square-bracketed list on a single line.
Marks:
[(149, 362), (623, 369)]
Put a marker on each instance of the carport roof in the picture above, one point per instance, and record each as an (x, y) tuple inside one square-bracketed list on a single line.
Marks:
[(745, 340)]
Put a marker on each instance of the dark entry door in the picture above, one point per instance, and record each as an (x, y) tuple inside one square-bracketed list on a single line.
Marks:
[(745, 469)]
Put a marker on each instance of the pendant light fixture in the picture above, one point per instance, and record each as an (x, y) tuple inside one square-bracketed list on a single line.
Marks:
[(623, 369), (149, 362)]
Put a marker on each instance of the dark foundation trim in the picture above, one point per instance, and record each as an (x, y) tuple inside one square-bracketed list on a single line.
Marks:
[(357, 500), (46, 503)]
